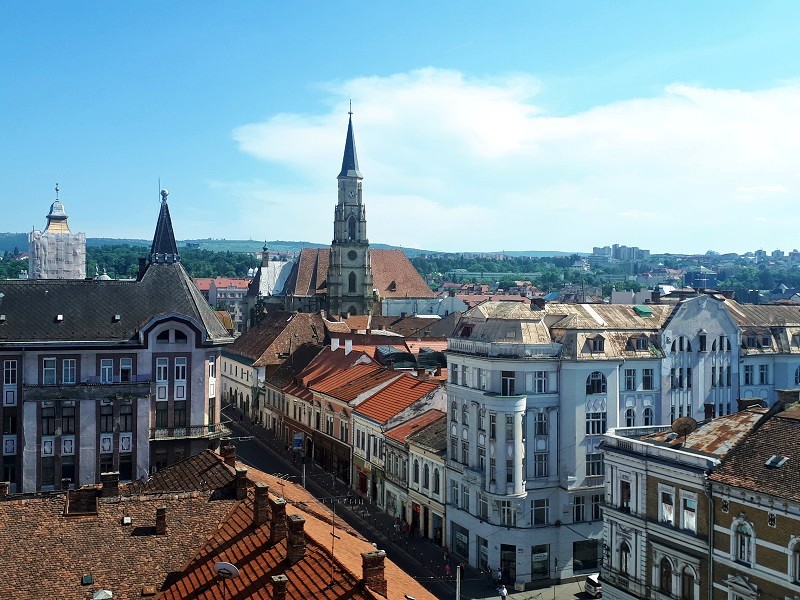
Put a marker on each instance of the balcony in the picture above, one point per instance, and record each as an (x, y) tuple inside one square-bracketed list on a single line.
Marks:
[(91, 389), (625, 582), (208, 432), (501, 349)]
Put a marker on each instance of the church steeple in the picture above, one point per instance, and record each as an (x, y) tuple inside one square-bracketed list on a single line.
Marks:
[(164, 248), (350, 159)]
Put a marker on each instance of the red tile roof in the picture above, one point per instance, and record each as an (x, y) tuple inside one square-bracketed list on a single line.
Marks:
[(277, 336), (355, 382), (402, 431), (395, 397), (326, 363)]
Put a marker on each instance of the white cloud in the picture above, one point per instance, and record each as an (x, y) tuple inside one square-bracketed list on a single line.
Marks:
[(452, 163)]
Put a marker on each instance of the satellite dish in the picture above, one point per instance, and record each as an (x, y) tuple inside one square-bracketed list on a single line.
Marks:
[(684, 426), (226, 570)]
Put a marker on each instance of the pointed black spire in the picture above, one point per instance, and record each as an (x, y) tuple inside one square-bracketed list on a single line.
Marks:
[(164, 249), (350, 160)]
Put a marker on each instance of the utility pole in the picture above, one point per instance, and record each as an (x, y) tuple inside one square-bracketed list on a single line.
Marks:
[(458, 582)]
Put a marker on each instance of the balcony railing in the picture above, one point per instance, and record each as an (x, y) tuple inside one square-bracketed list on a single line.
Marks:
[(501, 349), (209, 432), (90, 390)]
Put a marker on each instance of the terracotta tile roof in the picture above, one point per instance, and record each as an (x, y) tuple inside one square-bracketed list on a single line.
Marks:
[(200, 472), (118, 557), (402, 431), (276, 336), (326, 363), (240, 283), (394, 276), (309, 273), (203, 283), (350, 384), (395, 397), (746, 467), (358, 322)]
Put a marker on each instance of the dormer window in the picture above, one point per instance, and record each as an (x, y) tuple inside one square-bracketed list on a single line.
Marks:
[(163, 337), (180, 337), (597, 344)]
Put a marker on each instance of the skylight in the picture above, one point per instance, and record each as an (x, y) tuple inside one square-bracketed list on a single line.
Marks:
[(775, 461)]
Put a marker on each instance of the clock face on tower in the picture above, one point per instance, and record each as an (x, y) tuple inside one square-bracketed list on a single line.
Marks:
[(352, 194), (352, 255)]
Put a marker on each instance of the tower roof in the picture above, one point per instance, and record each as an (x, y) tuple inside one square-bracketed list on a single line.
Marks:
[(164, 248), (350, 160), (57, 219)]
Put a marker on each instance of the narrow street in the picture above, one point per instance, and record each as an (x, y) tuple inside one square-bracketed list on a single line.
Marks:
[(420, 558)]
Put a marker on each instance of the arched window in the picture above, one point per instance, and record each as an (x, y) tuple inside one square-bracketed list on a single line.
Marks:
[(465, 414), (163, 337), (454, 410), (416, 471), (596, 383), (648, 417), (351, 311), (797, 376), (687, 584), (674, 346), (630, 418), (180, 337), (624, 558), (743, 544), (436, 481), (351, 228), (241, 399), (665, 576), (426, 477), (714, 346), (351, 282)]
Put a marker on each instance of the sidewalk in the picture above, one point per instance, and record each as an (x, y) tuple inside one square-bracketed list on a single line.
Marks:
[(378, 527)]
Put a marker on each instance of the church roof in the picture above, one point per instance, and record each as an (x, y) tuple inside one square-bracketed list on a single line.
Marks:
[(350, 159), (393, 275), (164, 248)]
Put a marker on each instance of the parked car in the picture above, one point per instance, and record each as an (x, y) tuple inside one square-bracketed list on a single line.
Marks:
[(592, 585)]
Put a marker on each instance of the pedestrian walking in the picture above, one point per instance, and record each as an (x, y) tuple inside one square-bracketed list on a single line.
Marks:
[(498, 576), (503, 592)]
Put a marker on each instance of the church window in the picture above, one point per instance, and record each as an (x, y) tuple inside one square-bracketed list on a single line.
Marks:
[(351, 282), (351, 228)]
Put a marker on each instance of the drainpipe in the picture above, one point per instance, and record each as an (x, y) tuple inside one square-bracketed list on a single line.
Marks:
[(711, 520)]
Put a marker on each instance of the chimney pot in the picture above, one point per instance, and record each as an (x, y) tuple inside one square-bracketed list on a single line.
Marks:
[(278, 526), (228, 452), (241, 483), (373, 570), (161, 520), (110, 483), (296, 542), (261, 504), (279, 586)]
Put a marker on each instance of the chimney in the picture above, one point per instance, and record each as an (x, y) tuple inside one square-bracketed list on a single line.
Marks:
[(65, 484), (334, 344), (348, 347), (161, 520), (279, 587), (261, 504), (372, 567), (241, 483), (277, 531), (110, 483), (745, 403), (655, 297), (296, 542), (5, 488), (228, 452)]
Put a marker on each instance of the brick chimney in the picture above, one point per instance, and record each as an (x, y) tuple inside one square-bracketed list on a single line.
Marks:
[(279, 587), (5, 488), (110, 483), (261, 504), (277, 532), (228, 452), (161, 520), (296, 542), (241, 483), (372, 567)]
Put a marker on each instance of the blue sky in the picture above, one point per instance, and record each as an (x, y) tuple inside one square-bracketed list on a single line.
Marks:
[(479, 126)]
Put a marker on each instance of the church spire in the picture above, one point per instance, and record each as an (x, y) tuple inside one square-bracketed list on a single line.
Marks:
[(350, 160), (164, 248)]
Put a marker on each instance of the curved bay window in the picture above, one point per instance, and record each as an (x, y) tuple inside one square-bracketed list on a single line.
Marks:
[(596, 383)]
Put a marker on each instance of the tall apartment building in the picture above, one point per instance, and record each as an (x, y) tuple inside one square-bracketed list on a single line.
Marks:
[(103, 376)]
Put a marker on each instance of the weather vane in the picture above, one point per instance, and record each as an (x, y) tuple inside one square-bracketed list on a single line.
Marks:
[(351, 108), (56, 191)]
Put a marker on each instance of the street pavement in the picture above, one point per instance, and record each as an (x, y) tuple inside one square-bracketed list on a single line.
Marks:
[(420, 558)]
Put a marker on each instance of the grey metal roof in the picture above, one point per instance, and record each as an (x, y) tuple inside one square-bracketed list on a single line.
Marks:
[(350, 159), (88, 308), (164, 248)]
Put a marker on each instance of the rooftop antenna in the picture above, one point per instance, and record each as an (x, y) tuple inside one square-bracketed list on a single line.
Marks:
[(57, 190), (684, 426), (225, 570), (351, 108)]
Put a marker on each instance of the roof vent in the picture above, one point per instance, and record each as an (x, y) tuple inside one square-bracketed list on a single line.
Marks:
[(117, 318), (126, 520), (59, 318), (776, 461), (2, 318)]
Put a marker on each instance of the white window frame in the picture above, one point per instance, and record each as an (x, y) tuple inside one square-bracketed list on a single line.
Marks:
[(69, 371), (662, 514), (688, 497), (49, 369)]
